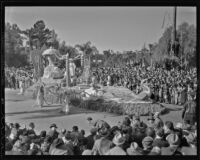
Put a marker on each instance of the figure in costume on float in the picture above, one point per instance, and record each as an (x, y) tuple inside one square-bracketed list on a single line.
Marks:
[(145, 94)]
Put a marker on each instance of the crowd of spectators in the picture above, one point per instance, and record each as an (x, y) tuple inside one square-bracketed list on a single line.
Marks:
[(13, 76), (131, 136), (167, 86)]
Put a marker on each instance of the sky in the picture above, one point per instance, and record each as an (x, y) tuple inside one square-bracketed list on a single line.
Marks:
[(116, 28)]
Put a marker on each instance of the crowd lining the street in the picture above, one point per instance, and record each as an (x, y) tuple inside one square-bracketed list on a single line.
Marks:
[(129, 137)]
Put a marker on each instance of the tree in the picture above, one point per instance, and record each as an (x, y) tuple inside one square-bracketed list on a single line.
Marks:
[(187, 37), (14, 50), (38, 35), (87, 48)]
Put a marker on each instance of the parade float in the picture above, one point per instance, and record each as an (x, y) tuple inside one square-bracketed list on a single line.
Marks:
[(87, 93)]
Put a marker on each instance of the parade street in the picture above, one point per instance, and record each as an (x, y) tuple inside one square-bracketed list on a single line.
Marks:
[(18, 108)]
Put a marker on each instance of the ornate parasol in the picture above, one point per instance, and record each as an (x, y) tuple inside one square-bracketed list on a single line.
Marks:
[(50, 51)]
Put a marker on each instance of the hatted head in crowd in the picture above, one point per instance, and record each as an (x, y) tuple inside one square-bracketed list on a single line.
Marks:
[(147, 143), (155, 151), (89, 119), (17, 126), (173, 139), (134, 149), (126, 121), (168, 127), (53, 126), (75, 128), (150, 132), (191, 139), (31, 126), (43, 134), (119, 139), (160, 133)]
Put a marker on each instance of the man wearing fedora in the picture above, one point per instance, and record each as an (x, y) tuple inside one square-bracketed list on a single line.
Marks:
[(147, 144), (173, 148), (150, 122), (59, 148), (134, 149), (53, 132), (192, 148), (15, 132), (102, 144), (30, 130), (118, 140), (159, 141)]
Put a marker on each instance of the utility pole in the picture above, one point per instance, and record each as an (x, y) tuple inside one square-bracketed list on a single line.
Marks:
[(174, 31)]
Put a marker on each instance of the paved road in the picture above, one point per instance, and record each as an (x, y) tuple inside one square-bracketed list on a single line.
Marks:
[(19, 109)]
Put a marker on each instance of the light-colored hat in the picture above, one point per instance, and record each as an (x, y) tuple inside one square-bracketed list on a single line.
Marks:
[(118, 139), (179, 125), (156, 149), (191, 138), (134, 145), (173, 139)]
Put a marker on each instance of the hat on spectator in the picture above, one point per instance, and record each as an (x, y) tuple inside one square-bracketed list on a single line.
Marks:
[(93, 130), (155, 151), (160, 132), (68, 135), (142, 127), (173, 139), (118, 139), (147, 142), (32, 125), (134, 147), (169, 125), (63, 131), (53, 125), (16, 125), (43, 134), (179, 125), (126, 121), (87, 152), (191, 138), (150, 132), (32, 152), (25, 133)]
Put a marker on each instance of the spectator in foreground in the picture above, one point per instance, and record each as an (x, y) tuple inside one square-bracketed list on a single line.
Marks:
[(173, 148), (118, 140), (192, 148), (102, 144), (159, 140), (53, 132), (147, 145), (134, 149)]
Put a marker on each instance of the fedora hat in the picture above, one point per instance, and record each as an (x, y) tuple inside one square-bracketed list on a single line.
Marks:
[(173, 139), (16, 125), (118, 139), (53, 125), (147, 142), (191, 138), (31, 125)]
